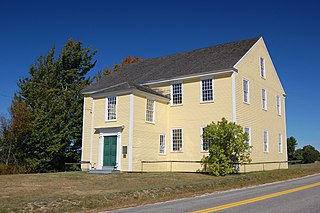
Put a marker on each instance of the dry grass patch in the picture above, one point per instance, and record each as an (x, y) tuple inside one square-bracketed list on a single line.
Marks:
[(81, 192)]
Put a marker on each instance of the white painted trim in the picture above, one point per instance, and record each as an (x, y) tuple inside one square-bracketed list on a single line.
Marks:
[(171, 142), (212, 81), (100, 90), (234, 107), (92, 131), (106, 109), (201, 141), (154, 111), (248, 101), (266, 98), (171, 93), (83, 121), (280, 142), (165, 144), (131, 116), (235, 66), (180, 78), (266, 151), (101, 147)]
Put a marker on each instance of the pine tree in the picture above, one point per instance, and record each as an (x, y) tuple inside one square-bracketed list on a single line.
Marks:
[(52, 93)]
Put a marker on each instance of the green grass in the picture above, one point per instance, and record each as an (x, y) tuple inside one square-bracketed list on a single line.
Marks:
[(81, 192)]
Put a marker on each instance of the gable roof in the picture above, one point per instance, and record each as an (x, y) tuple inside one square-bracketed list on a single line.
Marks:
[(210, 59)]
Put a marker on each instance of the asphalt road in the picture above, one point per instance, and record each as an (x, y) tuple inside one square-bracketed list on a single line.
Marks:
[(297, 196)]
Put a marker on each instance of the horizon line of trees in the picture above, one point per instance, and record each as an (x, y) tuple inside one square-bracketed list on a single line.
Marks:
[(306, 154)]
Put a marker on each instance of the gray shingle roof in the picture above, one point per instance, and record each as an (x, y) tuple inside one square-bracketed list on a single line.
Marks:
[(210, 59)]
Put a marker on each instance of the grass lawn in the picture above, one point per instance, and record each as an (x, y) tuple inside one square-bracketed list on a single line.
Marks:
[(82, 192)]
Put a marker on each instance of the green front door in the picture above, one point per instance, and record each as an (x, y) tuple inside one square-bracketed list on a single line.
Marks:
[(110, 151)]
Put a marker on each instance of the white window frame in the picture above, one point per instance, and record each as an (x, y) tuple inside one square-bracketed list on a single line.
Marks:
[(107, 108), (248, 92), (262, 64), (249, 134), (201, 90), (171, 87), (181, 149), (265, 99), (164, 146), (265, 141), (280, 143), (201, 141), (153, 111), (278, 102)]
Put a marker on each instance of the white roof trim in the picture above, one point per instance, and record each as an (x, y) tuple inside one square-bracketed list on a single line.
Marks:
[(235, 66)]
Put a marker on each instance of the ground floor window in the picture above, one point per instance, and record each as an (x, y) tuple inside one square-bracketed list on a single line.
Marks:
[(162, 144), (176, 136), (204, 143)]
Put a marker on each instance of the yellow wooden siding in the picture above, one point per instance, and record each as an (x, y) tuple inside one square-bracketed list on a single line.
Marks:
[(252, 114), (146, 145)]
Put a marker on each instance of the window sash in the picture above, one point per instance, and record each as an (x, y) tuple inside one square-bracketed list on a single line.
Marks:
[(278, 105), (150, 110), (111, 108), (206, 90), (205, 145), (246, 91), (248, 131), (176, 140), (262, 67), (265, 141), (177, 93), (280, 143), (264, 99), (162, 140)]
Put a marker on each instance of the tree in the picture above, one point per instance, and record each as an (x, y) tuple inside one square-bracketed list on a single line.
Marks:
[(116, 67), (310, 154), (52, 94), (291, 146), (228, 145)]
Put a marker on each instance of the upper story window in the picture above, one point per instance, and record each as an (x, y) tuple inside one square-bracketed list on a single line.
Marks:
[(278, 105), (150, 105), (176, 135), (206, 90), (265, 141), (162, 144), (280, 143), (262, 67), (246, 97), (264, 99), (176, 93), (204, 143), (111, 108), (248, 131)]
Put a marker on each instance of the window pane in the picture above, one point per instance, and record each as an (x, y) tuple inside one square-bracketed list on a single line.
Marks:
[(177, 93), (204, 143), (246, 91), (176, 139), (262, 67), (162, 144), (111, 108), (207, 90), (150, 110)]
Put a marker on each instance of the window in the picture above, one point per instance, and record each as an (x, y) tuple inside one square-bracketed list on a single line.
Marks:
[(150, 111), (204, 144), (265, 141), (264, 99), (111, 108), (280, 143), (248, 131), (246, 97), (176, 135), (206, 90), (162, 144), (262, 68), (278, 105), (177, 94)]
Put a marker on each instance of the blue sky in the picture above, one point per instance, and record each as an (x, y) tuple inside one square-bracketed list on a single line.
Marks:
[(156, 28)]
